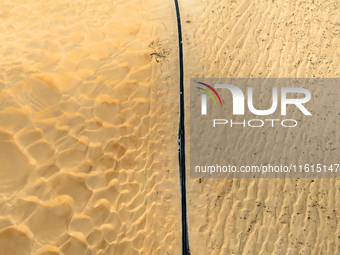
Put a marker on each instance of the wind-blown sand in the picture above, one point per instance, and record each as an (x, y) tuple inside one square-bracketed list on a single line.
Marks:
[(278, 39), (88, 131), (89, 119)]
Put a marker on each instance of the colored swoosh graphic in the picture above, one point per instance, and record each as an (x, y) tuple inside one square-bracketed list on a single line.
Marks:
[(206, 91), (212, 90)]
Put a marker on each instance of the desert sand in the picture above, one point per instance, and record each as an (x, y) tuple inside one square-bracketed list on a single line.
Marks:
[(89, 119), (241, 39), (88, 131)]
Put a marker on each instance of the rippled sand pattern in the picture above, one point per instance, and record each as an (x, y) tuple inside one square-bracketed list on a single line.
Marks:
[(263, 39), (88, 125)]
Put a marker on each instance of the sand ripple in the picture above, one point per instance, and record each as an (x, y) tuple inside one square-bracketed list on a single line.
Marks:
[(277, 39), (88, 128)]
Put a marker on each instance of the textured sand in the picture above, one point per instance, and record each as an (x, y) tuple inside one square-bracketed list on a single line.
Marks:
[(88, 127), (89, 117), (262, 39)]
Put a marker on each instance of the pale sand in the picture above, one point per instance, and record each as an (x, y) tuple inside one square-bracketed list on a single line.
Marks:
[(262, 39), (88, 128)]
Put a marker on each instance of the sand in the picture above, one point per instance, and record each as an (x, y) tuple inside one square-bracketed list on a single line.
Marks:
[(240, 39), (88, 132), (89, 119)]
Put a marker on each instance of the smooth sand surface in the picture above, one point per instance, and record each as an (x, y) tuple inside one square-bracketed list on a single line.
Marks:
[(278, 39), (88, 128)]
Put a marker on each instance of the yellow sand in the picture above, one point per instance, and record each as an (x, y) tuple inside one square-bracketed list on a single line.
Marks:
[(89, 118), (262, 39), (88, 123)]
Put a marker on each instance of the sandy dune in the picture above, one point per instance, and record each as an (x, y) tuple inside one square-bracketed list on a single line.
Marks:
[(88, 111), (89, 118), (262, 39)]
